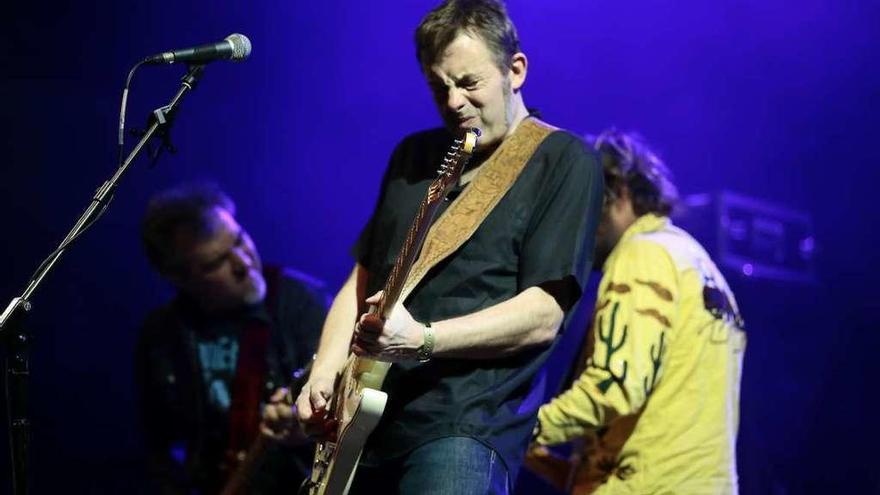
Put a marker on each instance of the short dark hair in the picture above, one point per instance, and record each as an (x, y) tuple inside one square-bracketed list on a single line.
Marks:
[(486, 19), (628, 161), (187, 206)]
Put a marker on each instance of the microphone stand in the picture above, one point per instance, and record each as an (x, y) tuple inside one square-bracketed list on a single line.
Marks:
[(13, 333)]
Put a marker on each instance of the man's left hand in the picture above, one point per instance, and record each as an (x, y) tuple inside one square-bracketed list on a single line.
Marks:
[(396, 339)]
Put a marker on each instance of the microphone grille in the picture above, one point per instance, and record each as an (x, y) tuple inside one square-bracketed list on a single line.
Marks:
[(241, 46)]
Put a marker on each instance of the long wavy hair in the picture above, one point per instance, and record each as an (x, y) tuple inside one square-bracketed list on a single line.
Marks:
[(627, 161)]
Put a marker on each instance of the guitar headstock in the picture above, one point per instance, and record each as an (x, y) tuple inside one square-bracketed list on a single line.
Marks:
[(454, 162)]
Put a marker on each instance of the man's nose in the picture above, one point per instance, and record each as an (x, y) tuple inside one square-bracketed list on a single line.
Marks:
[(455, 99), (241, 259)]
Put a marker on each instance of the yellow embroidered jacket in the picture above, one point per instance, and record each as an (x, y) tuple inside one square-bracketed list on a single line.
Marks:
[(656, 408)]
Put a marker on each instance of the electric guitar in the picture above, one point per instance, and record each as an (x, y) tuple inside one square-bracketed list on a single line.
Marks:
[(358, 401)]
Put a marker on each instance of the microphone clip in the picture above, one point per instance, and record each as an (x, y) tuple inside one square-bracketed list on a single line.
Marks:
[(163, 118)]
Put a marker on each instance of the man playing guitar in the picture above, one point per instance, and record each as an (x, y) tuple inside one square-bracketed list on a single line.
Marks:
[(468, 340)]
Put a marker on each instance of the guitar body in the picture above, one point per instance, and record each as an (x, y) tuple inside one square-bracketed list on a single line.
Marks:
[(359, 405), (341, 457), (358, 401)]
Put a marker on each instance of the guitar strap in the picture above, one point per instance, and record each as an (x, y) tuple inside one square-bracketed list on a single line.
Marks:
[(248, 387), (496, 176)]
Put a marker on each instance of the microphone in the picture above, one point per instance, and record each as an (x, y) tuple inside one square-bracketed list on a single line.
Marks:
[(234, 47)]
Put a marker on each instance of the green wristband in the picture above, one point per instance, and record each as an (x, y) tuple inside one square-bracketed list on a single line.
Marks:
[(426, 350)]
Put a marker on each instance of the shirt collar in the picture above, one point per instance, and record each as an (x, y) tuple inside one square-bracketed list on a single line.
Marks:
[(650, 222)]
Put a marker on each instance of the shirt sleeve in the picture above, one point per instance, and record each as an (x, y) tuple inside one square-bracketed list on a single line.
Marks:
[(558, 245), (635, 311)]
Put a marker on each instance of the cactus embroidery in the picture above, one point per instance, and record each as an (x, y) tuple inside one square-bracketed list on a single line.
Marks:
[(608, 338), (655, 364)]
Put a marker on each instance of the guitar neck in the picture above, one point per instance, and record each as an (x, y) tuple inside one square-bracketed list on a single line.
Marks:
[(297, 381), (449, 173), (358, 401), (408, 254)]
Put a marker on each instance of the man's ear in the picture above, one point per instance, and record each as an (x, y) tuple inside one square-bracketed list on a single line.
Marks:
[(519, 66), (621, 197)]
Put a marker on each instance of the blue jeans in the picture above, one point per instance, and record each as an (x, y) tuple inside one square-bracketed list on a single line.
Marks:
[(446, 466)]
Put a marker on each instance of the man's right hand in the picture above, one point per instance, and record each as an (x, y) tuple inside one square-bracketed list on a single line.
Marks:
[(313, 405)]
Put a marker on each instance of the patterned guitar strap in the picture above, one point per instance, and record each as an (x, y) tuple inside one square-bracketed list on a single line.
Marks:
[(464, 215)]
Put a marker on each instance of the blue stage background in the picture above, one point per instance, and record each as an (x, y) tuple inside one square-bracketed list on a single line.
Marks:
[(772, 99)]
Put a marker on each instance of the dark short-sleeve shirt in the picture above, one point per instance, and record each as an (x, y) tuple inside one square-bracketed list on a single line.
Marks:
[(541, 231)]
